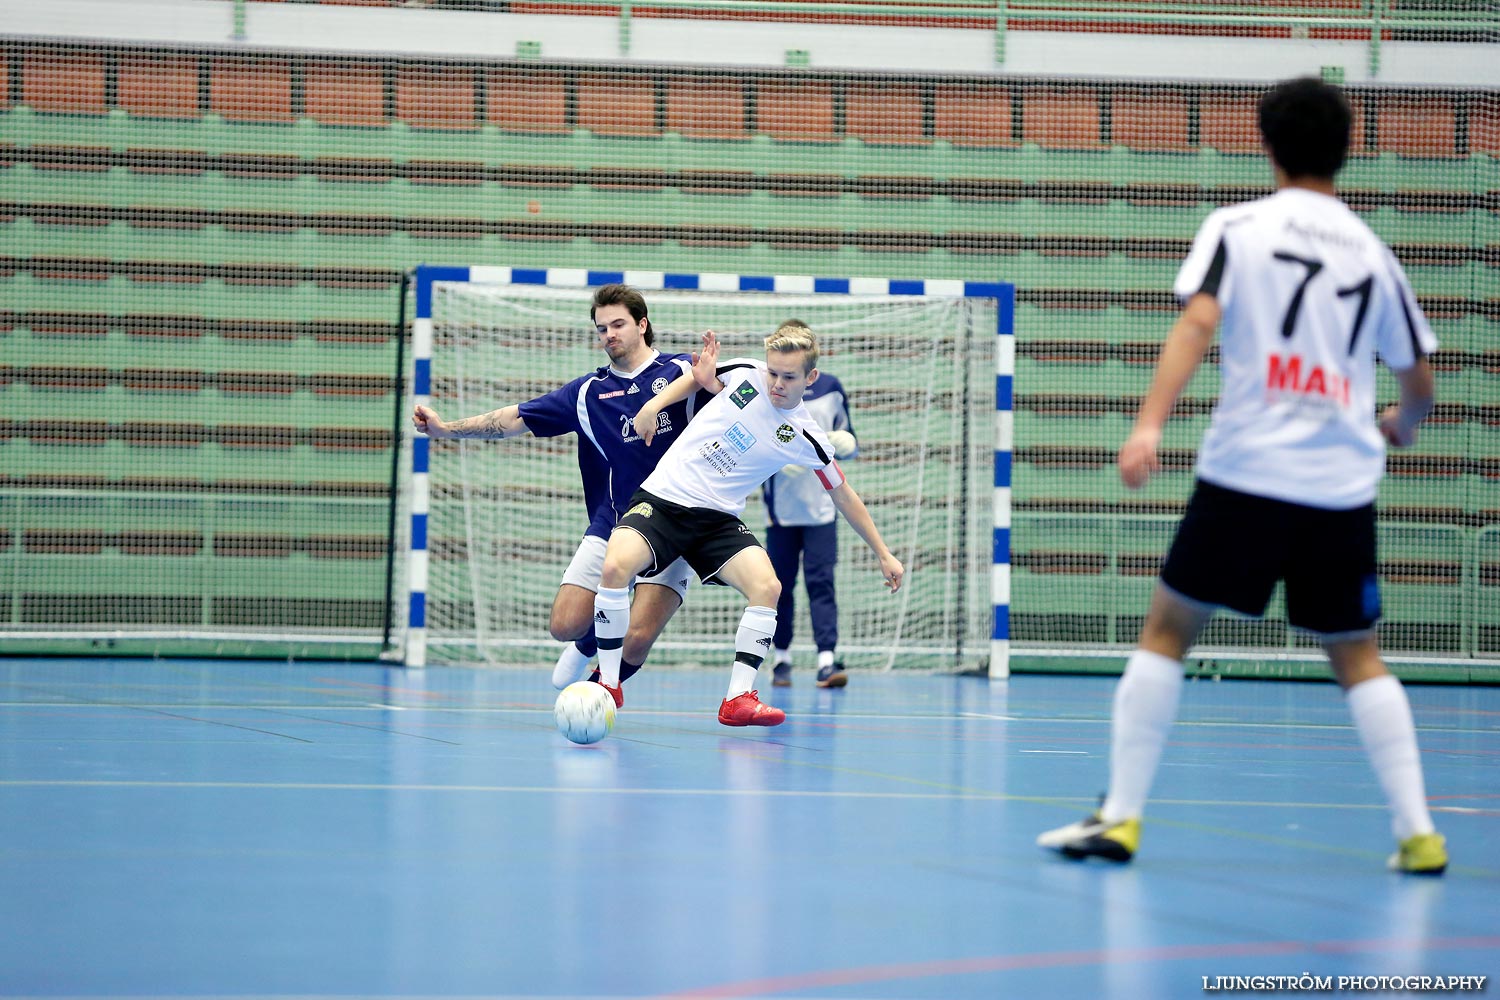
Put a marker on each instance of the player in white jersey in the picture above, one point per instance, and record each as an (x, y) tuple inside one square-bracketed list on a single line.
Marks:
[(1306, 297), (599, 408), (802, 536), (689, 506)]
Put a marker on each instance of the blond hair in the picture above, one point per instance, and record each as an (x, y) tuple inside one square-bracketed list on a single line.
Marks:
[(795, 335)]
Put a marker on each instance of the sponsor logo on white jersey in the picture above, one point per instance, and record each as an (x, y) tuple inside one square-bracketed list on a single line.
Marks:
[(741, 438)]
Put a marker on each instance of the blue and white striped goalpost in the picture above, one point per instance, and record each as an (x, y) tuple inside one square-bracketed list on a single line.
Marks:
[(425, 277)]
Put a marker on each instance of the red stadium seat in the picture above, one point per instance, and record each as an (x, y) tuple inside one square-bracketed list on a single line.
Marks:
[(884, 113), (1227, 121), (1484, 124), (7, 57), (251, 89), (1150, 119), (1062, 118), (796, 110), (1416, 125), (156, 85), (346, 92), (706, 107), (527, 102), (976, 115), (64, 81), (436, 97), (617, 103)]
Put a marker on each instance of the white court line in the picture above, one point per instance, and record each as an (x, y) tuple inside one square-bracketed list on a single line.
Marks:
[(539, 709), (676, 792)]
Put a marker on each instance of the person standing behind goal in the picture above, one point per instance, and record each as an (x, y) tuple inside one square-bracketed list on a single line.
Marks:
[(802, 530), (1308, 297), (690, 506)]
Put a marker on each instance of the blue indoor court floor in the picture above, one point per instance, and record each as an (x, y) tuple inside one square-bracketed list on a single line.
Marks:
[(200, 828)]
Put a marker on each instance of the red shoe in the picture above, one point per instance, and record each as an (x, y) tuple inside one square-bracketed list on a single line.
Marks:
[(747, 710), (618, 694)]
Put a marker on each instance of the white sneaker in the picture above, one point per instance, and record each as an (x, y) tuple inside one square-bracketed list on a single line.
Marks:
[(571, 666)]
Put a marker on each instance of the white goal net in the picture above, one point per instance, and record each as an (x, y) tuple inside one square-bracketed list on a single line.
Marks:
[(505, 516)]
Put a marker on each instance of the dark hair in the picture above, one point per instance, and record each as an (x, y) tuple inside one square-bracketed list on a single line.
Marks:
[(1306, 124), (624, 295)]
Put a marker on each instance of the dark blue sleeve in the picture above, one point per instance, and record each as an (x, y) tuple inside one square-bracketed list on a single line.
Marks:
[(842, 421), (556, 412)]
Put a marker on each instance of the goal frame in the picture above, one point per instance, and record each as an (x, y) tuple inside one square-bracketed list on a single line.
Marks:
[(424, 277)]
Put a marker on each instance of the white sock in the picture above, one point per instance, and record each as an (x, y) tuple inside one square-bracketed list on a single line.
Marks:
[(611, 622), (570, 664), (751, 641), (1382, 717), (825, 658), (783, 656), (1145, 708)]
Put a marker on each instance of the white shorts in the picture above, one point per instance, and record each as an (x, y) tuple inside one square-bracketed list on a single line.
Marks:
[(588, 566)]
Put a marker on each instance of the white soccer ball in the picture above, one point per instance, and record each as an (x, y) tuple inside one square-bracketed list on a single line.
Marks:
[(585, 712)]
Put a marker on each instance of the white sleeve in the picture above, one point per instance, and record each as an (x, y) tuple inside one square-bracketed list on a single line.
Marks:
[(820, 457), (1204, 267), (1404, 335)]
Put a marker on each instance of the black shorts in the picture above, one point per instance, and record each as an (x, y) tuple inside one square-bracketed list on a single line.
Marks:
[(706, 538), (1232, 547)]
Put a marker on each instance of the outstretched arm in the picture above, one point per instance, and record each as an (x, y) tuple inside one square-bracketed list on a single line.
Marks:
[(1180, 357), (494, 424), (858, 516)]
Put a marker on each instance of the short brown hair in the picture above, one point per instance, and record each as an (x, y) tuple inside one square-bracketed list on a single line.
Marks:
[(795, 335), (624, 295)]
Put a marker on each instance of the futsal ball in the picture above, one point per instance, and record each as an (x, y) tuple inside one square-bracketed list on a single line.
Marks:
[(585, 712)]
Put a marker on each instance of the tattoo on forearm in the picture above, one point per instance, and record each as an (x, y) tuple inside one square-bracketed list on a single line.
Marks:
[(486, 425)]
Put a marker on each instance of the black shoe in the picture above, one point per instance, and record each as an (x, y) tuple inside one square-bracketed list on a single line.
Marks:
[(781, 675), (832, 676)]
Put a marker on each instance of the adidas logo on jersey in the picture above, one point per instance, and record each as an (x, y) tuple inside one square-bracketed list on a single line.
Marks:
[(633, 389)]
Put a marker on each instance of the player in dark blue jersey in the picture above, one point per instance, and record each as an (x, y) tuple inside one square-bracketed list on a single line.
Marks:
[(613, 460)]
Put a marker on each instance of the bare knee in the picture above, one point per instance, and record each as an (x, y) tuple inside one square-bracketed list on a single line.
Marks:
[(1354, 660), (1172, 624), (572, 613), (766, 593), (617, 573), (567, 625)]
